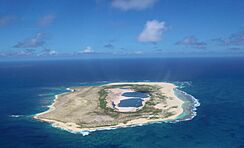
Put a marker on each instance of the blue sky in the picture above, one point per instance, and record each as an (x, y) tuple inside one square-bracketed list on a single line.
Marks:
[(121, 27)]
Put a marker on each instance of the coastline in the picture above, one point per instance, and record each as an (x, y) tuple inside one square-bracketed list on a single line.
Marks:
[(51, 107), (73, 127)]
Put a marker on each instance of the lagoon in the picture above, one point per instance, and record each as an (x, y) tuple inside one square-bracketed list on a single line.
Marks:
[(131, 102)]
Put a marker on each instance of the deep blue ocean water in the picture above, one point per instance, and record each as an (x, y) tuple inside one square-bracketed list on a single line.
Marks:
[(28, 87)]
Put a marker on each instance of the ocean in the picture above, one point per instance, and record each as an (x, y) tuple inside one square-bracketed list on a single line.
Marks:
[(29, 87)]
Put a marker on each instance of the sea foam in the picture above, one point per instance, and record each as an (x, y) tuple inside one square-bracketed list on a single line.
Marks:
[(15, 116), (190, 106)]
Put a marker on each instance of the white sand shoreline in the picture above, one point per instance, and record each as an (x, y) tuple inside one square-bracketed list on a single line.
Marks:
[(69, 126), (51, 106)]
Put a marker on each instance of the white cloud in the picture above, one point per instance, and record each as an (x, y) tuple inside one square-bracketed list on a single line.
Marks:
[(133, 4), (138, 52), (46, 20), (47, 52), (27, 52), (152, 31), (235, 39), (51, 52), (192, 41), (88, 50), (33, 42)]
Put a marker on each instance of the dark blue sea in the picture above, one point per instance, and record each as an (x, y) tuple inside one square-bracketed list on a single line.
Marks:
[(28, 87)]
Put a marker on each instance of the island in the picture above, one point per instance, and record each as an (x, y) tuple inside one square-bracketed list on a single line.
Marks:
[(113, 105)]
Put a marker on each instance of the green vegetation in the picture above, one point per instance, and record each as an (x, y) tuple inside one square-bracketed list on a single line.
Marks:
[(168, 114), (150, 103), (153, 117), (102, 99), (125, 122), (120, 86), (161, 97), (103, 104), (145, 88), (156, 111)]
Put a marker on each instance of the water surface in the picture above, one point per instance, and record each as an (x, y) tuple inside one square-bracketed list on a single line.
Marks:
[(28, 87), (131, 102), (135, 94)]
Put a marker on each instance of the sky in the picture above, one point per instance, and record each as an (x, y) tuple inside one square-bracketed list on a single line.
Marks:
[(51, 28)]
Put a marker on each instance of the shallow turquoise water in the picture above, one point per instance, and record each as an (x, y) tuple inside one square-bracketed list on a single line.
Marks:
[(28, 88)]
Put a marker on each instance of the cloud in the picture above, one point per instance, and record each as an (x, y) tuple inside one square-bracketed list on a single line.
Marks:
[(88, 50), (192, 41), (138, 52), (27, 52), (16, 53), (6, 20), (33, 42), (235, 49), (132, 4), (109, 45), (152, 31), (48, 52), (46, 20), (235, 39)]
